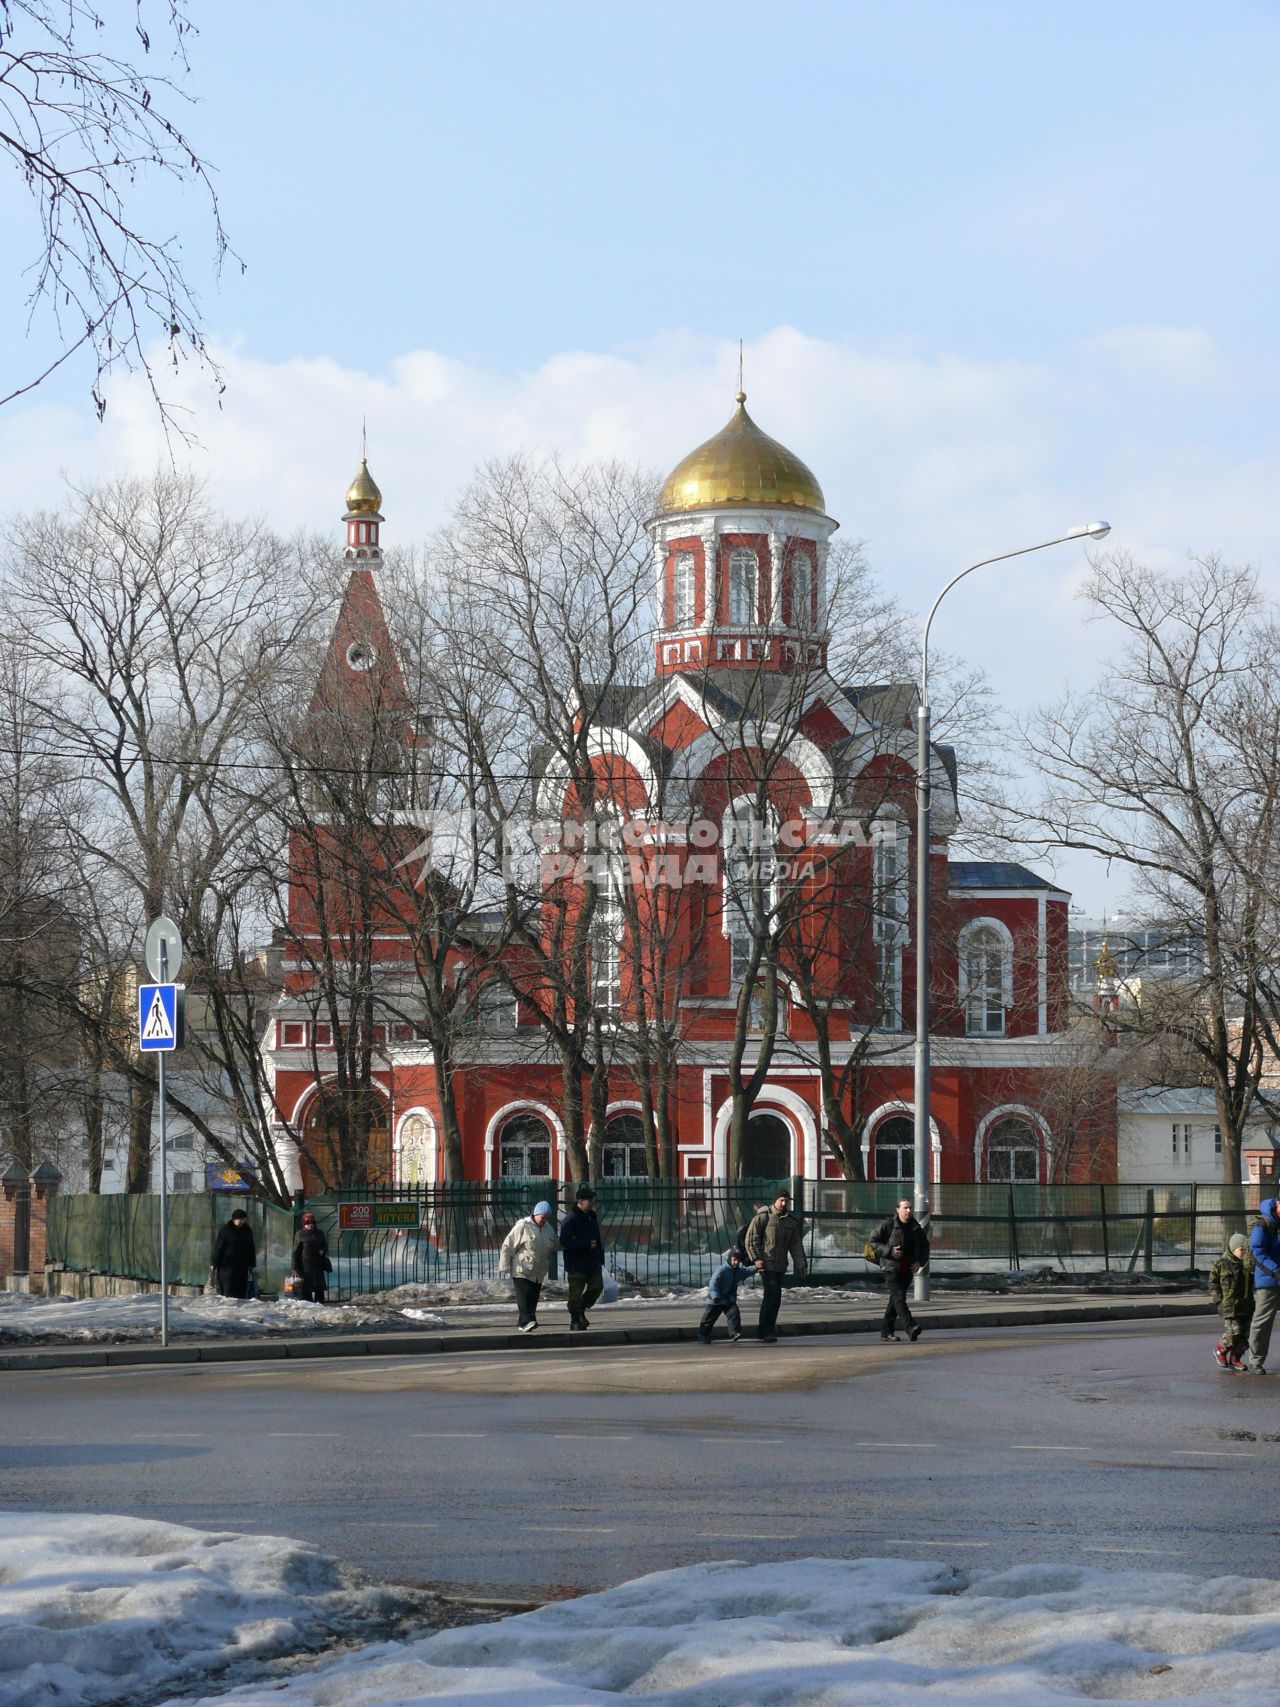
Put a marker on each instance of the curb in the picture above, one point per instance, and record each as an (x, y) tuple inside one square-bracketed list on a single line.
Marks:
[(407, 1344)]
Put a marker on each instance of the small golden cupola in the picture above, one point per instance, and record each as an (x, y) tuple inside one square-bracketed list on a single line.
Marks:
[(740, 465), (363, 516)]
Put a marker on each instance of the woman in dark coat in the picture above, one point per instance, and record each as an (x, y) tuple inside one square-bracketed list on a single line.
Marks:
[(311, 1260), (235, 1256)]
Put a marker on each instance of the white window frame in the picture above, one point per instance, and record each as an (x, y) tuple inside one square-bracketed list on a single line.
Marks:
[(744, 587), (735, 920), (607, 926), (1001, 985), (889, 900), (684, 590)]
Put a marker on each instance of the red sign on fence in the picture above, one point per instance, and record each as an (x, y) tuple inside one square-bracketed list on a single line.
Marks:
[(363, 1217)]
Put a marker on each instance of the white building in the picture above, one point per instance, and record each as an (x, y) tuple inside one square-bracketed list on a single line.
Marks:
[(1168, 1136)]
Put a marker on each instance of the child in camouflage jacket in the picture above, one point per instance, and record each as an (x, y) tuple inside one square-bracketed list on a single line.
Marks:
[(1231, 1288)]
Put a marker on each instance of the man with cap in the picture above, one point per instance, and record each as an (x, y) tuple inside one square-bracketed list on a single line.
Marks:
[(583, 1249), (235, 1256), (1231, 1288), (526, 1256), (773, 1235)]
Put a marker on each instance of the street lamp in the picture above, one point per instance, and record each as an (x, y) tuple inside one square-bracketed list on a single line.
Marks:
[(923, 1133)]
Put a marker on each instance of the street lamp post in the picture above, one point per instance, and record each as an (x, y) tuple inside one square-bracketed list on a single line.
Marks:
[(923, 1124)]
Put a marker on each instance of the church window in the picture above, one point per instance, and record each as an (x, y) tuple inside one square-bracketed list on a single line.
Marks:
[(896, 1148), (802, 591), (524, 1148), (744, 586), (606, 942), (889, 903), (623, 1154), (683, 591), (1013, 1155), (766, 1148), (362, 655), (750, 877), (985, 969)]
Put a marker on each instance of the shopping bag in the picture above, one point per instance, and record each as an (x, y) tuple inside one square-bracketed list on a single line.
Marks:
[(610, 1293), (292, 1285), (211, 1285), (251, 1285)]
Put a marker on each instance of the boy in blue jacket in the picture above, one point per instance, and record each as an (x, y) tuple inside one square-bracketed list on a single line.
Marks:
[(722, 1290)]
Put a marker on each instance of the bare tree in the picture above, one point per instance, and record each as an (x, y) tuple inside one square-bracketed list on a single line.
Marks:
[(90, 135), (1154, 770)]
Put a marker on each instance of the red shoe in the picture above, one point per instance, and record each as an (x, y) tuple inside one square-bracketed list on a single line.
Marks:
[(1223, 1356), (1238, 1364)]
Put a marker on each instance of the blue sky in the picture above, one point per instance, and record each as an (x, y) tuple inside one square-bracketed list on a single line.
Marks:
[(999, 268)]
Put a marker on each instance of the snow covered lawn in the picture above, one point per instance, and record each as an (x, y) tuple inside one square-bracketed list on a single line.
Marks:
[(117, 1610), (27, 1319)]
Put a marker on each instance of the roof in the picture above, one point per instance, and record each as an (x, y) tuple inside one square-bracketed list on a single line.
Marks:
[(1185, 1100), (994, 874)]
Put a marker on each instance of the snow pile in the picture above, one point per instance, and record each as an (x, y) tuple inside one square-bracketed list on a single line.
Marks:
[(836, 1633), (497, 1292), (87, 1320), (113, 1609)]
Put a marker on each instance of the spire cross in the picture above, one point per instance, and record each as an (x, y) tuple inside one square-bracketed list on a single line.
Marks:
[(364, 439), (741, 393)]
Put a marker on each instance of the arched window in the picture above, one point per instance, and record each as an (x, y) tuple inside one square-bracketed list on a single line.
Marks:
[(606, 938), (623, 1154), (749, 872), (744, 587), (889, 901), (684, 591), (524, 1148), (1013, 1152), (895, 1148), (766, 1148), (412, 1157), (802, 591), (984, 961)]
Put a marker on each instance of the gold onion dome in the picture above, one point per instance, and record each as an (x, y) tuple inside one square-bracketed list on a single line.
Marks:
[(1105, 966), (741, 465), (363, 496)]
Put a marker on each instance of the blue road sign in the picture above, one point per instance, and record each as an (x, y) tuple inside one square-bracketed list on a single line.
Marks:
[(158, 1024)]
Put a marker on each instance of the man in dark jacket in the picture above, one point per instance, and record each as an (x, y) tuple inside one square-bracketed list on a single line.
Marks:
[(235, 1256), (583, 1249), (310, 1261), (902, 1248), (773, 1235), (1264, 1247)]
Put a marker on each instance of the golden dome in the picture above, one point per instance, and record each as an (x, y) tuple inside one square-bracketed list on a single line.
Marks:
[(1105, 966), (363, 496), (740, 465)]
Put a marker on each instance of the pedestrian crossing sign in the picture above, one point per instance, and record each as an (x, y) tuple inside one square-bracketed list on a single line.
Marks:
[(160, 1016)]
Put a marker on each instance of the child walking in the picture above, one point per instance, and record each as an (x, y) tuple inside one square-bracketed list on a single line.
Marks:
[(1231, 1288), (722, 1290)]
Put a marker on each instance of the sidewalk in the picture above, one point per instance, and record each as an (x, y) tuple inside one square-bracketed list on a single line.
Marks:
[(618, 1324)]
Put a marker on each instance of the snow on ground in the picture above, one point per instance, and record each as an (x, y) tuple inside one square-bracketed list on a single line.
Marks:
[(119, 1610), (29, 1319), (116, 1609), (836, 1633)]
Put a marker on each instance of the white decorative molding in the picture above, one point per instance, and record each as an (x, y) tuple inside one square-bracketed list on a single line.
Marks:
[(433, 1143), (522, 1105), (790, 1106), (986, 922), (885, 1110)]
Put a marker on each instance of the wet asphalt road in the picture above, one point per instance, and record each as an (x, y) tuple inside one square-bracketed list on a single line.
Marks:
[(534, 1472)]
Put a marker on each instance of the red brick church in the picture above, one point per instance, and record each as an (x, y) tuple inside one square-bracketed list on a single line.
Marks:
[(742, 724)]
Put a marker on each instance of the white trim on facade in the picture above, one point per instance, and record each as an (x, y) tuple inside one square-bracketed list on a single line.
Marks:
[(1019, 1109), (523, 1105)]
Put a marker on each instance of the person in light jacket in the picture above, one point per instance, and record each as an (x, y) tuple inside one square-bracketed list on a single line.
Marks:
[(526, 1256)]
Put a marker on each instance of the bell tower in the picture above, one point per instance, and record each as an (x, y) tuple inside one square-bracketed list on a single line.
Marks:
[(363, 517)]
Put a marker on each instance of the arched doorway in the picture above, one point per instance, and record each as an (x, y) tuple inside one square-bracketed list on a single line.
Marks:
[(623, 1154), (345, 1140), (766, 1148), (524, 1148), (895, 1148), (1013, 1152)]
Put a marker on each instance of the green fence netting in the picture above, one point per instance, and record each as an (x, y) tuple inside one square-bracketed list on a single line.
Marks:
[(120, 1234), (669, 1233)]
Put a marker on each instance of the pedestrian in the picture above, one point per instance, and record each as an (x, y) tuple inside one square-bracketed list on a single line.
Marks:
[(902, 1248), (526, 1256), (722, 1291), (583, 1249), (1231, 1288), (235, 1256), (310, 1261), (773, 1235), (1264, 1247)]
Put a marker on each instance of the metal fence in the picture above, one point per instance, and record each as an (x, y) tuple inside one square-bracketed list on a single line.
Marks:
[(666, 1233), (120, 1234)]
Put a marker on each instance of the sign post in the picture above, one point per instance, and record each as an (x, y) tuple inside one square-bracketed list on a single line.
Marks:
[(160, 1018)]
